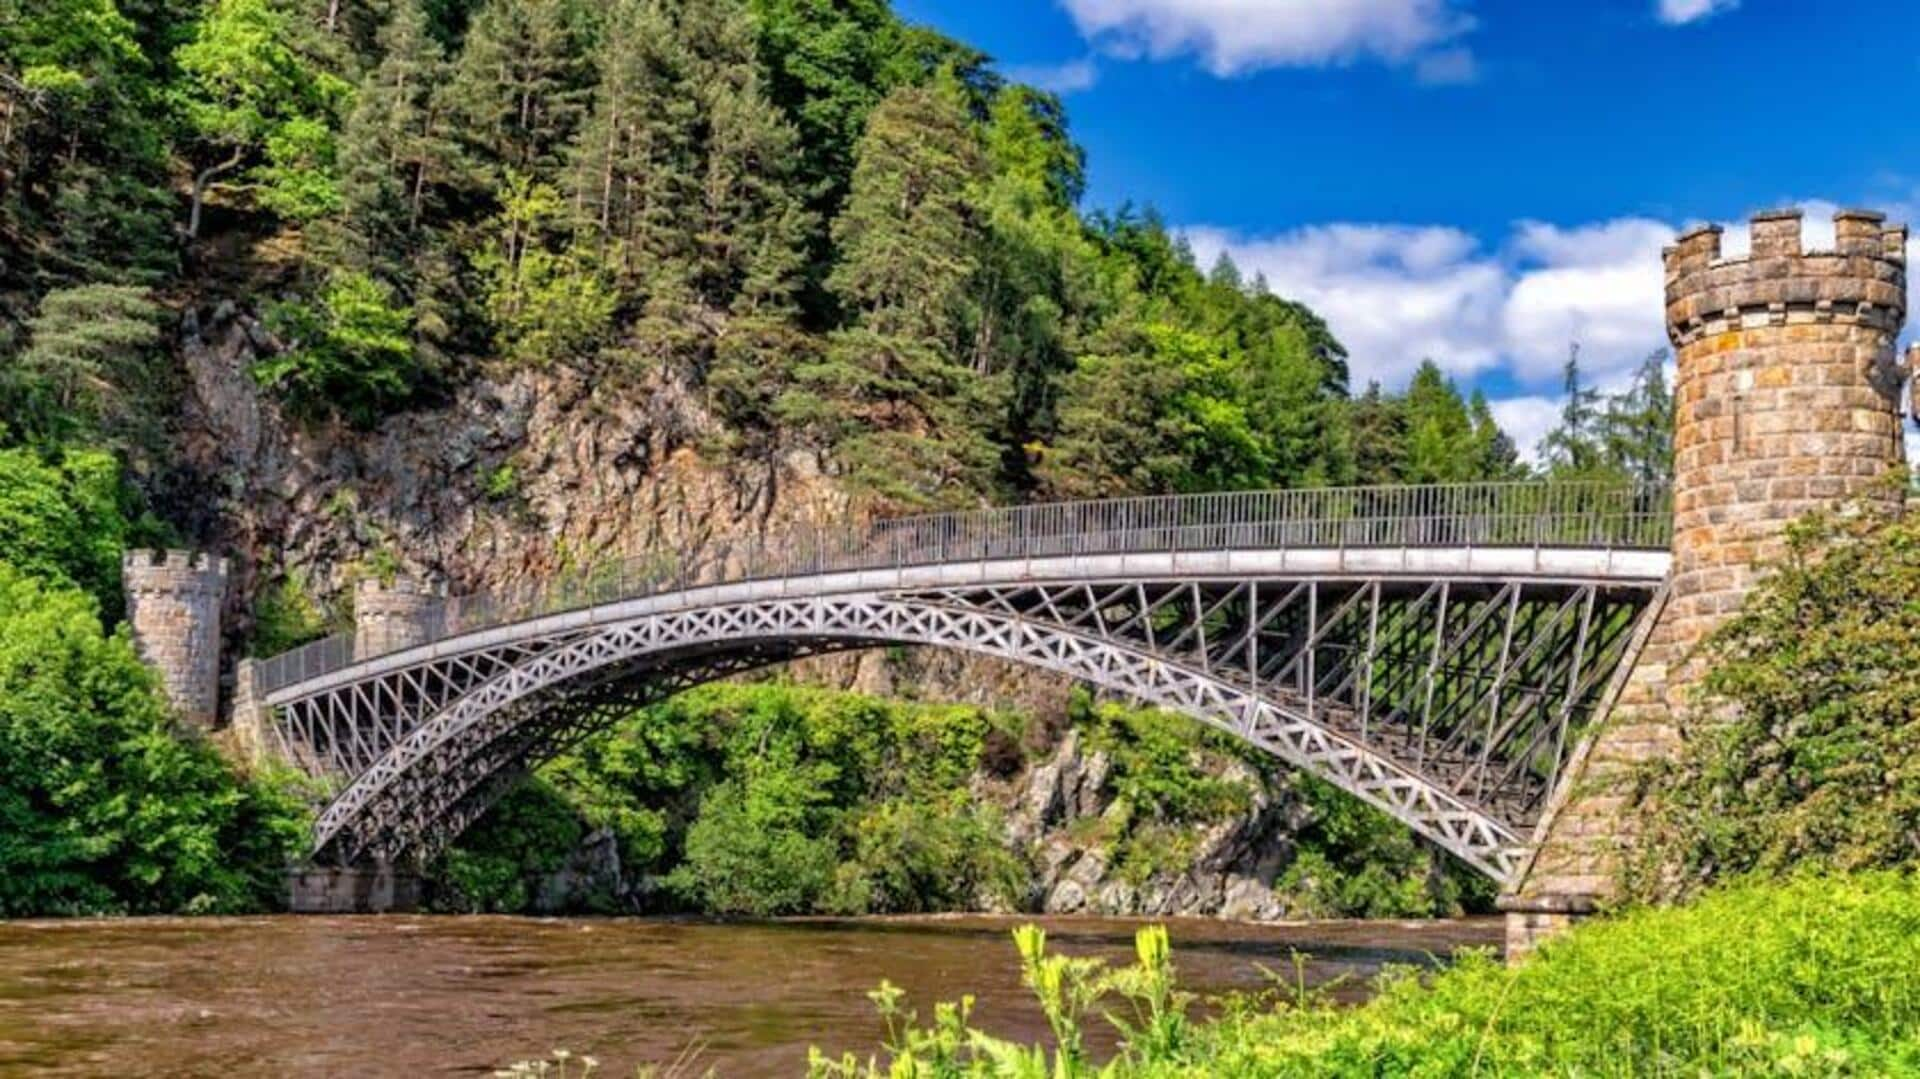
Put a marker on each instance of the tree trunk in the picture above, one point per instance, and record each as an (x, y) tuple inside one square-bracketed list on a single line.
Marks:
[(200, 183)]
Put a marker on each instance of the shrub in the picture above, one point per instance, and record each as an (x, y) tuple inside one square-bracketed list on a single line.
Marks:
[(350, 355), (103, 809), (1805, 748)]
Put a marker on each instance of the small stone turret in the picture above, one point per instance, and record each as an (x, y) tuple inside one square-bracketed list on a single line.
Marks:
[(390, 617), (1786, 401), (173, 608)]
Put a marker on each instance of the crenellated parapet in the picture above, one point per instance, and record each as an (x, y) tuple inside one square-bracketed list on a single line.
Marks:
[(173, 608), (1861, 280), (391, 615)]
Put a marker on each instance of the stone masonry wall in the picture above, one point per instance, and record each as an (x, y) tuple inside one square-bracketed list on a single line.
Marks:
[(173, 607), (389, 617), (1786, 400)]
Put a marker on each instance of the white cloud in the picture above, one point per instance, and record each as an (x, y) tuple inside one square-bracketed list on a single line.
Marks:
[(1070, 77), (1527, 420), (1681, 12), (1397, 294), (1234, 36), (1393, 294), (1599, 285)]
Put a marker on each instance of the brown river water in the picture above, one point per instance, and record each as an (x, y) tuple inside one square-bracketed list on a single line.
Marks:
[(408, 996)]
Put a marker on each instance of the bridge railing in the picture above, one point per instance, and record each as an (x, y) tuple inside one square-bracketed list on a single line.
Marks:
[(1524, 514)]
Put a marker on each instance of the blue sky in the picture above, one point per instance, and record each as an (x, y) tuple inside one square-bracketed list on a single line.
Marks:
[(1479, 182)]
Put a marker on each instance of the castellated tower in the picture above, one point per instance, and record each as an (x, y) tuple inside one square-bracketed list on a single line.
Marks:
[(173, 607), (1787, 397), (390, 617), (1786, 401)]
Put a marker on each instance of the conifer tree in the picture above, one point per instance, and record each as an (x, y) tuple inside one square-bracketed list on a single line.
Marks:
[(1573, 448), (911, 421), (1379, 439), (520, 84), (1637, 425), (397, 151), (753, 222), (1441, 445), (1495, 456)]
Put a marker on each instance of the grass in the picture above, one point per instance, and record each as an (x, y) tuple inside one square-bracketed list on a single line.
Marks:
[(1818, 976)]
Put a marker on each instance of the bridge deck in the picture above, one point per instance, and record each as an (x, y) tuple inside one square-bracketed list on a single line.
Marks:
[(334, 666)]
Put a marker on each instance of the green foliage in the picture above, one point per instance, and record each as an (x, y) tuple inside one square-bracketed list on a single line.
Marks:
[(1354, 861), (1817, 976), (285, 616), (549, 299), (103, 809), (755, 848), (502, 483), (1350, 860), (1158, 764), (65, 519), (83, 145), (349, 355), (1804, 749), (769, 799), (250, 98), (526, 836), (87, 365)]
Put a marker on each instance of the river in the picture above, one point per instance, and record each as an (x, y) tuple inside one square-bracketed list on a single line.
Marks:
[(409, 996)]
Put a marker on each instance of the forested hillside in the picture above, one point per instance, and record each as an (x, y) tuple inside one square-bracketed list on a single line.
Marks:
[(846, 231), (490, 288)]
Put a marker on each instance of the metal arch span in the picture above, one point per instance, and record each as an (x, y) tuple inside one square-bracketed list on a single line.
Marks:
[(1448, 701)]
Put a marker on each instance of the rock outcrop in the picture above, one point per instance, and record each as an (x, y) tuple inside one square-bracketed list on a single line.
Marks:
[(1062, 814)]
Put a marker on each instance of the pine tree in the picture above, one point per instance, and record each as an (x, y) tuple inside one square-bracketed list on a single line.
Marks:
[(911, 421), (1225, 275), (1573, 448), (751, 247), (1637, 425), (753, 222), (520, 85), (397, 151), (82, 372)]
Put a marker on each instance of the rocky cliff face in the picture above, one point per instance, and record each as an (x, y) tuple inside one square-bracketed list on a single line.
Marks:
[(516, 478)]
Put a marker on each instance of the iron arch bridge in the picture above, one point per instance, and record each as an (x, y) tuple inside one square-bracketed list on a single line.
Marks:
[(1431, 650)]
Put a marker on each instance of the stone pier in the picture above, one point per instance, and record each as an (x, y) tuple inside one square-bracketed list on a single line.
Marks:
[(1786, 401), (374, 889)]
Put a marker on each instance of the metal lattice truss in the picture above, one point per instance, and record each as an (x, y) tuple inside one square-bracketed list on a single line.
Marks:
[(1449, 702)]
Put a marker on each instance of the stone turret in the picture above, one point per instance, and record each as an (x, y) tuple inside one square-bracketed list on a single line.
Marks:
[(390, 617), (1786, 400), (173, 608), (1787, 397)]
